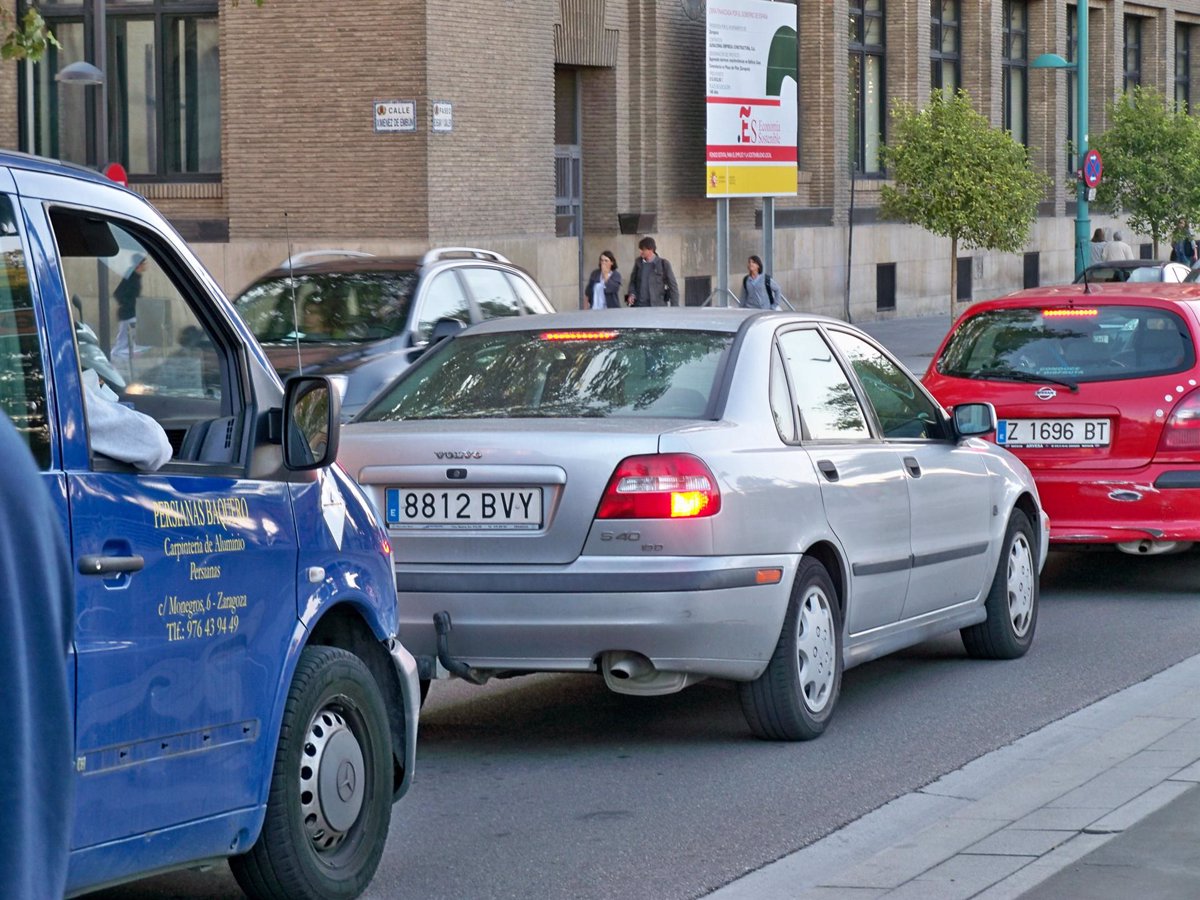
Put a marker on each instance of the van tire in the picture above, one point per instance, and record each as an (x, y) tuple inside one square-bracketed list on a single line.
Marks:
[(316, 844)]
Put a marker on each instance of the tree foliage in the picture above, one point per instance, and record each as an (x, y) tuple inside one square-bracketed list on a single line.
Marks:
[(957, 176), (27, 37), (1151, 156)]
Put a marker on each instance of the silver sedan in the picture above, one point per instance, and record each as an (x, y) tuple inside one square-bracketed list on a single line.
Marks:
[(669, 495)]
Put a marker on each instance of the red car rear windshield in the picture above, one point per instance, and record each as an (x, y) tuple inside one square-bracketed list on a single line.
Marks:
[(1077, 344)]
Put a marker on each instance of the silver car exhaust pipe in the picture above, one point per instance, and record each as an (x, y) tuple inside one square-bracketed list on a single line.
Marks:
[(624, 664)]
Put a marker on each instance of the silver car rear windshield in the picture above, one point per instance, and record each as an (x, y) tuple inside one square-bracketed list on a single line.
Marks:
[(1072, 344), (335, 306), (597, 373)]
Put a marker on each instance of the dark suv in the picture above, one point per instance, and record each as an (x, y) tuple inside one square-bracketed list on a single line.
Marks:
[(344, 312)]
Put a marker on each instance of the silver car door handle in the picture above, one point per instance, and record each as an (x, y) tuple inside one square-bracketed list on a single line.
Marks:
[(93, 564), (828, 469), (914, 467)]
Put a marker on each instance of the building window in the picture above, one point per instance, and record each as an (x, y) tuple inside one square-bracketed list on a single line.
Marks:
[(945, 48), (163, 86), (1072, 87), (866, 84), (1133, 52), (1015, 62), (1183, 67)]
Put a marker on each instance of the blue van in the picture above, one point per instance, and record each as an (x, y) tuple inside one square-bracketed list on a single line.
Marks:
[(238, 689)]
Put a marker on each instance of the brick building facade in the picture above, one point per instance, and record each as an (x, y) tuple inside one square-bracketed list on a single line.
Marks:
[(577, 126)]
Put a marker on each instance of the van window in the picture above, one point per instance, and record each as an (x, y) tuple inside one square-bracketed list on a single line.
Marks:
[(22, 375), (163, 359)]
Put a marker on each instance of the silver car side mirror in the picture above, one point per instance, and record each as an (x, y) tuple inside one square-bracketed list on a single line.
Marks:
[(974, 419)]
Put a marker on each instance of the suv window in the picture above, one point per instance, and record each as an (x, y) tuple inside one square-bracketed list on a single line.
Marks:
[(1079, 344), (443, 299), (319, 307), (532, 302), (22, 375), (492, 292)]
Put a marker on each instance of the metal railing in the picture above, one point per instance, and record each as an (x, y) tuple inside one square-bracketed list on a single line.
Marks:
[(728, 296)]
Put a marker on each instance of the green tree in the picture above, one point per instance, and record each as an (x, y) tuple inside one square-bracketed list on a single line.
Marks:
[(956, 176), (27, 37), (1151, 156)]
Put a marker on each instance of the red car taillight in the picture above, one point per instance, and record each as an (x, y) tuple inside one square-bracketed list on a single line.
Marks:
[(1182, 431), (661, 486)]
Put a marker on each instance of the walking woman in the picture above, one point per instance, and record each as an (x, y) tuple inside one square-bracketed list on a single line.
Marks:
[(757, 288), (604, 285)]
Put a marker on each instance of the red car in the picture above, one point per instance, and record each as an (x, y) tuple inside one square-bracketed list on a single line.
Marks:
[(1095, 389)]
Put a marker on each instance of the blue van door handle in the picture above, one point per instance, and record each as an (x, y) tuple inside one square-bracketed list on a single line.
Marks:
[(107, 565)]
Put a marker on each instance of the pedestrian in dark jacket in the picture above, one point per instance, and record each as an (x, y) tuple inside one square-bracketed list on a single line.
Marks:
[(36, 595), (603, 289), (653, 281)]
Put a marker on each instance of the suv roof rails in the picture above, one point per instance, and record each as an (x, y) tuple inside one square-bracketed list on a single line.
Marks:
[(440, 253), (297, 258)]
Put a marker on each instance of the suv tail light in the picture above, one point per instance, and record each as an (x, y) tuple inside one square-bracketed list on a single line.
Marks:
[(1182, 431), (660, 486)]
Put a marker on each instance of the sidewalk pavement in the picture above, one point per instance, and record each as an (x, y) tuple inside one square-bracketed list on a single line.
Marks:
[(1103, 804)]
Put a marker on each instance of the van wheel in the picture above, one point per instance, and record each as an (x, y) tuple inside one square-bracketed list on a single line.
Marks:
[(1012, 601), (793, 699), (331, 790)]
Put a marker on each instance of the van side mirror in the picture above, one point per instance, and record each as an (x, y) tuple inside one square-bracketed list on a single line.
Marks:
[(312, 422), (974, 419)]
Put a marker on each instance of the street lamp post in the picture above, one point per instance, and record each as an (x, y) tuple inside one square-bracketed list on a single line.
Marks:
[(1054, 61)]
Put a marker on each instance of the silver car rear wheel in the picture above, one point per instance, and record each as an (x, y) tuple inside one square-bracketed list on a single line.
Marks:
[(794, 698)]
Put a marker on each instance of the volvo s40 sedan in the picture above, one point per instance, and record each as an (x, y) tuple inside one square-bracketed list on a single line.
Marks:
[(668, 495)]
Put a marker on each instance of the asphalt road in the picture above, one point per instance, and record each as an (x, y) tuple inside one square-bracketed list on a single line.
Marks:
[(551, 787)]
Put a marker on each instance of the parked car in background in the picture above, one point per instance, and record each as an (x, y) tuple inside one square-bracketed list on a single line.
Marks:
[(1096, 391), (1135, 270), (344, 312), (670, 495)]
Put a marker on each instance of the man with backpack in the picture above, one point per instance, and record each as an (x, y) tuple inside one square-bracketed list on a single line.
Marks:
[(652, 282)]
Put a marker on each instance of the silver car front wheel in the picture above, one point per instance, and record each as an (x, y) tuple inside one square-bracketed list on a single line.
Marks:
[(1012, 601)]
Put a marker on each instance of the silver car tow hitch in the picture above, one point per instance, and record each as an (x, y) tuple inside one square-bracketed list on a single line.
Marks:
[(442, 625)]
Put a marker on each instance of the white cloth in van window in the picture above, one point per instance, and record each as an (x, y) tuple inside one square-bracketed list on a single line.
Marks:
[(120, 432)]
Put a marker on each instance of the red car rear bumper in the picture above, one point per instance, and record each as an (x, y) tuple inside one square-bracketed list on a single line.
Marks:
[(1159, 502)]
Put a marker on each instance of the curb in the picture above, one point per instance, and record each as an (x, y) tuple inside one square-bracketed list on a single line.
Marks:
[(1009, 820)]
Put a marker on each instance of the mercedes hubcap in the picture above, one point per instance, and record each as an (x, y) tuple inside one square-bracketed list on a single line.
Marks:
[(331, 779)]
